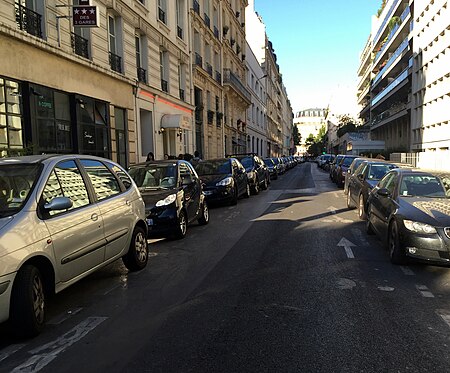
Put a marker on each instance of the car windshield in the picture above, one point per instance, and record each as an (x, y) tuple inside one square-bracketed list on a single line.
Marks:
[(377, 171), (347, 161), (220, 167), (268, 162), (424, 185), (355, 164), (155, 176), (16, 182), (247, 162), (275, 160)]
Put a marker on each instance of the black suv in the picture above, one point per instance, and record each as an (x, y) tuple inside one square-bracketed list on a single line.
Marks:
[(257, 172)]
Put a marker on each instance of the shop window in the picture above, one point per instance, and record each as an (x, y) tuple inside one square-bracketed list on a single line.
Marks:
[(11, 127), (121, 139)]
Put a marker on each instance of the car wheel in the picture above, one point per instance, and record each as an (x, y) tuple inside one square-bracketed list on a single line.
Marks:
[(350, 204), (361, 210), (137, 256), (247, 191), (27, 313), (182, 225), (234, 199), (395, 252), (369, 227), (256, 187), (265, 184), (203, 219)]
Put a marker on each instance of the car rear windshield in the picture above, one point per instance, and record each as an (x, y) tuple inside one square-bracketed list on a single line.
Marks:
[(347, 161), (247, 162), (221, 167), (155, 176), (268, 162), (16, 183), (424, 185), (377, 171)]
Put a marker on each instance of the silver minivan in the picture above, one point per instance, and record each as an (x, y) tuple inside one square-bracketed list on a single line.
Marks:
[(61, 218)]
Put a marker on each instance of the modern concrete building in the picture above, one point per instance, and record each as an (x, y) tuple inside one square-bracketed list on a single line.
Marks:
[(309, 122)]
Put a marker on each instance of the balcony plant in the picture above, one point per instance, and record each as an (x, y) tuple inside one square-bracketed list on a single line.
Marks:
[(394, 21)]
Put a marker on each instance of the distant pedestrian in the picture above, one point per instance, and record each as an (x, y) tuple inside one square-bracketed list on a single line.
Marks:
[(196, 158), (150, 157), (166, 156), (180, 156)]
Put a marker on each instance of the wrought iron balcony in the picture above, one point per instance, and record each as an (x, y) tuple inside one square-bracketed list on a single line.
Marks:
[(232, 80), (80, 45), (179, 32), (198, 60), (142, 75), (164, 85), (115, 62), (196, 7), (28, 20), (209, 69), (161, 15), (207, 20), (216, 32), (218, 77), (182, 94)]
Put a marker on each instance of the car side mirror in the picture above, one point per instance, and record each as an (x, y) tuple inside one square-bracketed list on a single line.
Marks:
[(383, 192), (360, 176), (59, 203)]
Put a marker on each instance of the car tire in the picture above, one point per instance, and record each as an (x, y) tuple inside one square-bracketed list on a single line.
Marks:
[(137, 256), (256, 187), (395, 252), (27, 310), (350, 204), (265, 184), (234, 199), (361, 211), (203, 219), (369, 226), (247, 191), (181, 228)]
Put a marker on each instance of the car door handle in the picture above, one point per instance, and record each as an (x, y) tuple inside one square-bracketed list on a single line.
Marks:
[(94, 217)]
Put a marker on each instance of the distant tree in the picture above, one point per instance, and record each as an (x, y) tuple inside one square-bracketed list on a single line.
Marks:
[(296, 135), (346, 124)]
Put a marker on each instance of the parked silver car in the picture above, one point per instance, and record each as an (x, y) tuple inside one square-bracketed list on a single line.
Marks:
[(61, 218)]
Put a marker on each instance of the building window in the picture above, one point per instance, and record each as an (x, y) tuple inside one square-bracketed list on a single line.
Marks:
[(140, 59), (11, 127), (29, 16), (180, 17), (162, 9), (120, 116), (115, 59), (182, 81), (163, 67)]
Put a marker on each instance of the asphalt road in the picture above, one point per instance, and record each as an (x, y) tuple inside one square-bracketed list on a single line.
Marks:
[(286, 281)]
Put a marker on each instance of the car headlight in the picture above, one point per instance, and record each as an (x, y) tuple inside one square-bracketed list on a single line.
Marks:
[(250, 175), (166, 201), (225, 182), (415, 226)]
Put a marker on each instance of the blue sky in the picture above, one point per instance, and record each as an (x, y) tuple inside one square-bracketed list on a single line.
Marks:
[(317, 43)]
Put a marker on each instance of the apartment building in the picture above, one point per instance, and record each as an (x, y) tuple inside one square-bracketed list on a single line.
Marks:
[(430, 116), (118, 90), (309, 122), (287, 124)]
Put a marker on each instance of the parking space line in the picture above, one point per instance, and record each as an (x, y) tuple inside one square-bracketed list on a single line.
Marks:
[(10, 350), (424, 291), (407, 271), (45, 354), (444, 315)]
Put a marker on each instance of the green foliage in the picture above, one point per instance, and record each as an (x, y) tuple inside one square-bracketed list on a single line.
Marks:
[(318, 143), (296, 135), (393, 22)]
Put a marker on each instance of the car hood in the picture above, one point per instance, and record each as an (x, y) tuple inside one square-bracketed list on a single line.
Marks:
[(150, 197), (433, 211), (212, 180)]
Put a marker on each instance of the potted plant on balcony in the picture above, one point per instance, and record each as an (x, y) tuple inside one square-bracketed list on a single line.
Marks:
[(394, 21)]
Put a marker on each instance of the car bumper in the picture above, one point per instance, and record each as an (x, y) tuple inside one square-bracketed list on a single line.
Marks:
[(6, 283), (218, 195), (162, 224), (432, 249)]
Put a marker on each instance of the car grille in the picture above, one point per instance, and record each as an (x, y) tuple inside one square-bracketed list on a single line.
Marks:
[(447, 231)]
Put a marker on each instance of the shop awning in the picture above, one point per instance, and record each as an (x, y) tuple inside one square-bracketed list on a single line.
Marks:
[(178, 121)]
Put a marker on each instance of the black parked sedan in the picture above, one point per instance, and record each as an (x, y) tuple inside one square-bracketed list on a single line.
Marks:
[(365, 177), (272, 167), (257, 172), (410, 210), (224, 180), (173, 196)]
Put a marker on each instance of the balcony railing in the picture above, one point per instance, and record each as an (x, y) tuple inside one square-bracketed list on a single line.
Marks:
[(385, 21), (218, 77), (161, 15), (235, 82), (207, 20), (182, 94), (164, 85), (196, 7), (209, 69), (115, 62), (404, 45), (394, 109), (28, 20), (198, 60), (80, 45), (142, 75), (400, 78), (216, 32), (179, 32)]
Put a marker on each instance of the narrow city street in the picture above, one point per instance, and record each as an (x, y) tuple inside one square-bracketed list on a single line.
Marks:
[(285, 281)]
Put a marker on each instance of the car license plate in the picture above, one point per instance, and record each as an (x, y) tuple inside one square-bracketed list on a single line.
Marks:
[(149, 221)]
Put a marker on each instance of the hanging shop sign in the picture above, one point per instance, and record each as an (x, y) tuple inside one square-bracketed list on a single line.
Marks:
[(85, 16)]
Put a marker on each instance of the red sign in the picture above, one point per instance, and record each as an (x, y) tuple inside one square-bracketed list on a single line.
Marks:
[(85, 16)]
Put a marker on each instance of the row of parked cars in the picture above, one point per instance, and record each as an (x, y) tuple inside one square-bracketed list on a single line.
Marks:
[(64, 216), (406, 207)]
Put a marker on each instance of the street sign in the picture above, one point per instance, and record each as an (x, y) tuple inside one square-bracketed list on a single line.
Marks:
[(85, 16)]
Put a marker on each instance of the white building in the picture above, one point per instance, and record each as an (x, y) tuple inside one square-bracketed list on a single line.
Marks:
[(308, 122)]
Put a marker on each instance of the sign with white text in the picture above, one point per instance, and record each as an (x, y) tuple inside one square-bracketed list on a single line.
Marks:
[(85, 16)]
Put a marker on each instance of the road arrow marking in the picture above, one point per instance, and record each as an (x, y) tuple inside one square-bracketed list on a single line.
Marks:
[(347, 247)]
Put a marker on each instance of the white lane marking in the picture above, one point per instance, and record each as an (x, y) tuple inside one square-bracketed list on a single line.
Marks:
[(407, 271), (359, 236), (386, 288), (445, 315), (10, 350), (345, 284), (45, 354), (64, 316), (336, 195), (424, 291), (347, 247)]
